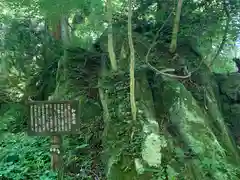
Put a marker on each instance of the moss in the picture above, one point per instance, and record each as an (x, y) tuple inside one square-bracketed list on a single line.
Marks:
[(151, 152), (119, 128), (128, 144), (139, 166)]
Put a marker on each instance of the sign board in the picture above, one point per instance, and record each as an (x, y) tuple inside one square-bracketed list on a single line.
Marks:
[(53, 118)]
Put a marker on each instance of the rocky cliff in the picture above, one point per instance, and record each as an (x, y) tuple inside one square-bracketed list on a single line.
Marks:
[(229, 90)]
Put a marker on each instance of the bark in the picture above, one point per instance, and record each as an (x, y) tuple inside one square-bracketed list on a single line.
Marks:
[(173, 45), (111, 52), (132, 62), (65, 35)]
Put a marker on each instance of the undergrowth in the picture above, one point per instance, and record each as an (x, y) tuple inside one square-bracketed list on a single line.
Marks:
[(25, 157)]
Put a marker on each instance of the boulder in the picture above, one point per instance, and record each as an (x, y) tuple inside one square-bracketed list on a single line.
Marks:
[(231, 87)]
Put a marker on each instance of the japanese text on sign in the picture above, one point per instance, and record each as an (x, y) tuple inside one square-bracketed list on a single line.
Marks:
[(48, 117)]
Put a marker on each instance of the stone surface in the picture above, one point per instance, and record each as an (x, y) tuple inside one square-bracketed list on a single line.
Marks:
[(194, 123), (231, 87)]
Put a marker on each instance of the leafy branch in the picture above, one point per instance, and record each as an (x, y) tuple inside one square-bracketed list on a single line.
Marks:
[(224, 38)]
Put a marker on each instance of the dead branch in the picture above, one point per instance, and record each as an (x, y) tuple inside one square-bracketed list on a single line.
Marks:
[(164, 71)]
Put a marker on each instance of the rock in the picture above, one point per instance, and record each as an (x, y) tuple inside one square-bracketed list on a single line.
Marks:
[(219, 77), (235, 109), (231, 87), (195, 127)]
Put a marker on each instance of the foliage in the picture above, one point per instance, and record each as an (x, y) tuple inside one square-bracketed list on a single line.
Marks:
[(24, 157), (13, 118), (28, 157), (21, 156)]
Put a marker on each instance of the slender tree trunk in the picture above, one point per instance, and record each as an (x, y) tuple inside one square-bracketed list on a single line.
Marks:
[(111, 52), (132, 62), (173, 45), (65, 35)]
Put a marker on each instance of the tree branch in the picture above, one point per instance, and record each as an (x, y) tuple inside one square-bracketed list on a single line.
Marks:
[(164, 71)]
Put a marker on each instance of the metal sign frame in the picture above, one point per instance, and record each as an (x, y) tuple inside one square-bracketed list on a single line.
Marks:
[(53, 118)]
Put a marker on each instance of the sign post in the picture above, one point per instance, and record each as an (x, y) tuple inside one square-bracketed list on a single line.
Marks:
[(56, 152), (54, 118)]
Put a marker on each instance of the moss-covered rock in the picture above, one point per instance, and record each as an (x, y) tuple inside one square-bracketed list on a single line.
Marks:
[(194, 128), (131, 148), (231, 87), (229, 91)]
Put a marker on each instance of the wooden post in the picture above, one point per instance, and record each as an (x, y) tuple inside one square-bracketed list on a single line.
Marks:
[(56, 150)]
